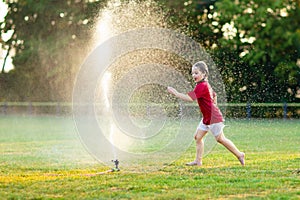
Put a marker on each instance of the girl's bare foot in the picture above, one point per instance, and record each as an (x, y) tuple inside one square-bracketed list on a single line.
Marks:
[(242, 159), (194, 163)]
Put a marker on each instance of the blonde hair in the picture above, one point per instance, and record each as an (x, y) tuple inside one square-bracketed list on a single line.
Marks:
[(201, 65)]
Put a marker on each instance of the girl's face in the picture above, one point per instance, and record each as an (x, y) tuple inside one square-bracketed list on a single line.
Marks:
[(197, 74)]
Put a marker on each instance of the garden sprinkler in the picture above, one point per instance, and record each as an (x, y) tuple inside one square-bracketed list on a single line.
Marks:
[(116, 169)]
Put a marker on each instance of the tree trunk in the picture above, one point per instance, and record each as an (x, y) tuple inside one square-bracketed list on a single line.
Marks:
[(4, 61)]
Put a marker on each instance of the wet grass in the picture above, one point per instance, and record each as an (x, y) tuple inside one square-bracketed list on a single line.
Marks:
[(42, 158)]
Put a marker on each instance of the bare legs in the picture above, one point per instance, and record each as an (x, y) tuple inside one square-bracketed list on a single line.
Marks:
[(199, 147), (222, 140), (231, 147)]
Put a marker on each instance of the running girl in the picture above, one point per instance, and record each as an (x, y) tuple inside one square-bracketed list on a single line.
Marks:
[(212, 118)]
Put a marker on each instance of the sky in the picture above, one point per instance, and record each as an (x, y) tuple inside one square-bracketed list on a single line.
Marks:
[(8, 65)]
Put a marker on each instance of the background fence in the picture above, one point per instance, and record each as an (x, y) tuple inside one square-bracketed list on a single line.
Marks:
[(231, 110)]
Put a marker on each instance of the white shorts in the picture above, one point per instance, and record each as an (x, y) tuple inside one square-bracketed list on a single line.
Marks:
[(216, 128)]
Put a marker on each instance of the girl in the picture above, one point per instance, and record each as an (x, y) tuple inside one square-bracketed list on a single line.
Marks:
[(212, 118)]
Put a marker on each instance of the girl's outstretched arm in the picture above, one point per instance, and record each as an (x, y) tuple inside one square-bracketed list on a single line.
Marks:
[(179, 95)]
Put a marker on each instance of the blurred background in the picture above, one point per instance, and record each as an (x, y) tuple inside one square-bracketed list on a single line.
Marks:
[(254, 43)]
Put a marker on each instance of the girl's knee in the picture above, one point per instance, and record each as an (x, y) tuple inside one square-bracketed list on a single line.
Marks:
[(220, 138), (199, 140), (199, 135)]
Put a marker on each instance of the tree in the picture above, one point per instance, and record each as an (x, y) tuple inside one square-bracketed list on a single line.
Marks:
[(49, 41), (254, 43), (265, 37)]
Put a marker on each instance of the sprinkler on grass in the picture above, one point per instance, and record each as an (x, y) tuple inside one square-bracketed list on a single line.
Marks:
[(115, 169), (116, 162)]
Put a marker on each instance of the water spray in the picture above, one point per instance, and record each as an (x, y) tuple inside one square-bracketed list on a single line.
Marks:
[(122, 112)]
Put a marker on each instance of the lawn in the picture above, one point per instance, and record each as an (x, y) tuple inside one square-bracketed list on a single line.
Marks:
[(43, 158)]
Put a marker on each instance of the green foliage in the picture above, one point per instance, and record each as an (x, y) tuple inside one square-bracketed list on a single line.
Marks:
[(255, 44), (264, 38), (50, 38)]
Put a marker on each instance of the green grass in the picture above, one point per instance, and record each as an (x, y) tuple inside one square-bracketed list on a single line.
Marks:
[(42, 158)]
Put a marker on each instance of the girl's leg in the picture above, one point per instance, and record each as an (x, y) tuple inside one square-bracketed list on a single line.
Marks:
[(199, 147), (231, 147)]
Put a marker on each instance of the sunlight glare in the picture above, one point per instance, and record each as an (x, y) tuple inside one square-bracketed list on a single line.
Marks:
[(3, 8), (105, 87), (103, 28), (229, 31)]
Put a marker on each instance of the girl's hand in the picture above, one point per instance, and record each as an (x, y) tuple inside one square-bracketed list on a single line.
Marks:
[(179, 95), (172, 90)]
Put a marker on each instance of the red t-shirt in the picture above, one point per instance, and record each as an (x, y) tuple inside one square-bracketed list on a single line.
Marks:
[(204, 95)]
